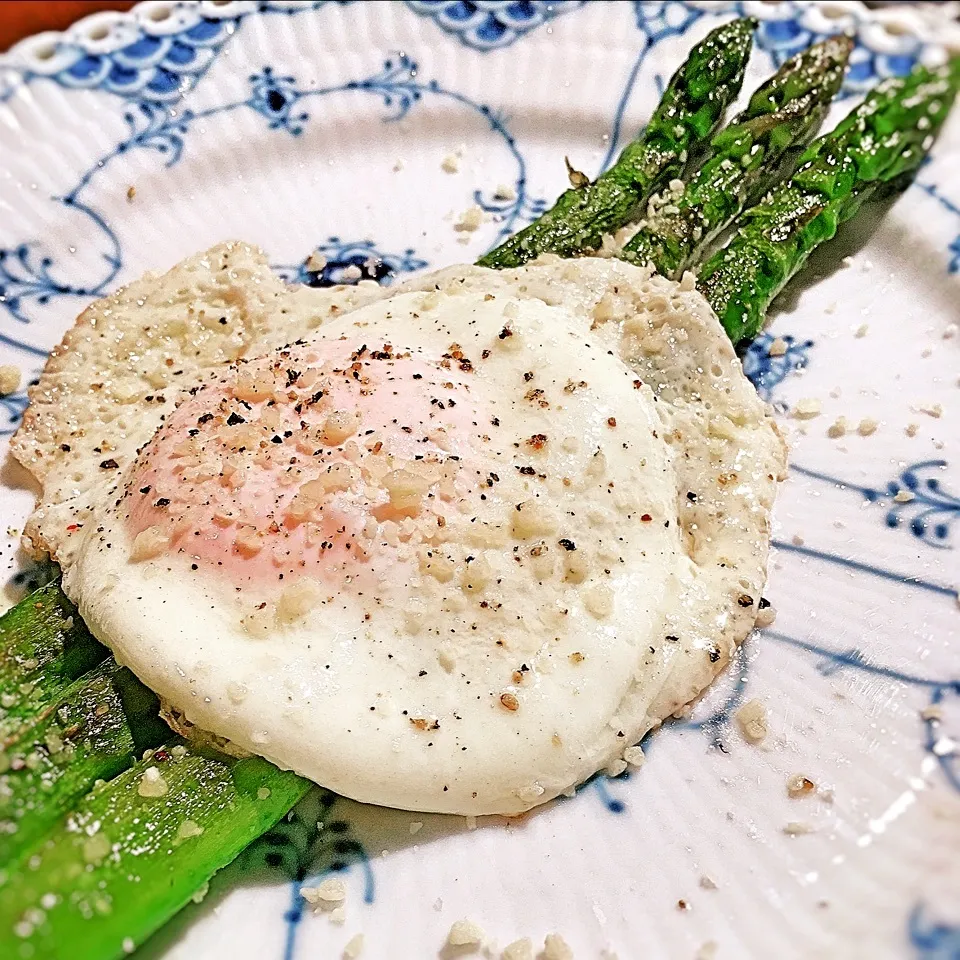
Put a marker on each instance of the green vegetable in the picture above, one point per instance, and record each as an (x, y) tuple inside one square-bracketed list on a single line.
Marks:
[(44, 648), (880, 142), (745, 158), (691, 106), (135, 851), (95, 730)]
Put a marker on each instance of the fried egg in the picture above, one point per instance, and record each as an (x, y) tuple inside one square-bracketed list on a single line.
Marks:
[(450, 546)]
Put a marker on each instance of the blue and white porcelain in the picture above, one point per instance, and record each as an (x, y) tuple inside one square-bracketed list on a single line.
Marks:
[(135, 139)]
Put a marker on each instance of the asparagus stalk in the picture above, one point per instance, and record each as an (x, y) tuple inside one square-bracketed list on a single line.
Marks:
[(44, 648), (744, 159), (94, 731), (882, 140), (136, 850), (691, 106)]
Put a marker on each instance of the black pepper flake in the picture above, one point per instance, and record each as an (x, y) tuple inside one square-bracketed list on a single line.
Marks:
[(764, 603), (65, 447), (671, 638), (504, 333), (206, 418), (110, 464), (163, 502), (528, 376), (527, 471), (276, 439), (145, 489), (745, 600), (234, 419), (714, 654), (567, 544)]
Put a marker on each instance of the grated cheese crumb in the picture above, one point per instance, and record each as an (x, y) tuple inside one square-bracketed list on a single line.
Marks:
[(800, 786), (128, 946), (708, 883), (556, 948), (518, 950), (912, 429), (798, 828), (867, 426), (450, 163), (838, 428), (806, 409), (932, 712), (634, 756), (904, 496), (950, 331), (861, 331), (465, 933), (338, 916), (752, 720), (9, 379), (354, 947), (934, 410), (503, 192), (316, 262), (353, 272), (326, 896), (152, 784), (778, 348), (188, 829), (470, 220)]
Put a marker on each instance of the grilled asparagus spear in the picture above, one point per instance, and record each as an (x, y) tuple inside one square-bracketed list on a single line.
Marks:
[(135, 850), (96, 729), (884, 138), (691, 106), (745, 158)]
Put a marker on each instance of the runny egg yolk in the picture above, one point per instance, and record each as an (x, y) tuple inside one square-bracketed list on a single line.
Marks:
[(314, 461)]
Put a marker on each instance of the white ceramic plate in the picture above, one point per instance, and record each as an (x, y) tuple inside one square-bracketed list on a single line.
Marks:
[(133, 140)]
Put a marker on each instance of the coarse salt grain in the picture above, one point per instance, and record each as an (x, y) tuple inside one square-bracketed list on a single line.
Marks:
[(806, 409), (708, 883), (9, 379), (416, 827), (465, 933), (752, 720), (316, 262)]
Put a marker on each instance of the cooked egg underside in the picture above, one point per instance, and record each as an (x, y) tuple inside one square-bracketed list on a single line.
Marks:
[(453, 550)]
